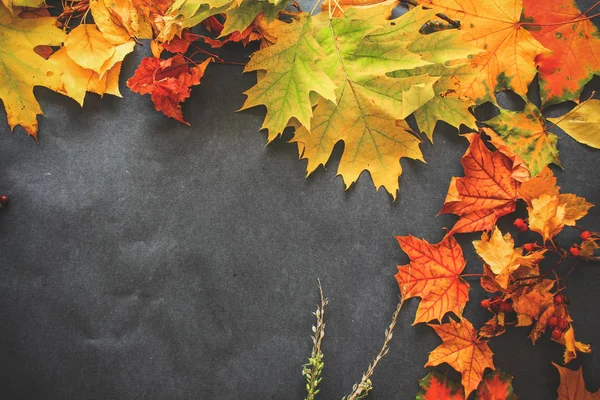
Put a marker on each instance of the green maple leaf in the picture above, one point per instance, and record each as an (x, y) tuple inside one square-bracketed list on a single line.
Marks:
[(291, 75), (525, 133)]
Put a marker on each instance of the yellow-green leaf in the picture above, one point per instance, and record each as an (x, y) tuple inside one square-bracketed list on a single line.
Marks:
[(583, 123), (291, 75)]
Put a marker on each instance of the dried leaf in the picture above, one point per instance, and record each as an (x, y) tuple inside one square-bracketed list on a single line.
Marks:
[(463, 351), (433, 275)]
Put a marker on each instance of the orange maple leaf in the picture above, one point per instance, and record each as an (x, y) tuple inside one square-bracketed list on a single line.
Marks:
[(488, 190), (574, 44), (168, 82), (494, 386), (507, 62), (572, 386), (463, 351), (433, 275), (530, 301)]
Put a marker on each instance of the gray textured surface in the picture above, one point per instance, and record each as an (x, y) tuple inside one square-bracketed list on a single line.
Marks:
[(141, 258)]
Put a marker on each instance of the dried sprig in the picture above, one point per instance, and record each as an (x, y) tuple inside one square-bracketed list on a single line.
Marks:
[(313, 369), (361, 389)]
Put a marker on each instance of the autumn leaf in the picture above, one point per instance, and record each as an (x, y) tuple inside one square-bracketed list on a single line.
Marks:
[(78, 80), (546, 216), (119, 20), (582, 123), (368, 116), (435, 386), (494, 327), (239, 15), (573, 44), (499, 253), (508, 60), (572, 385), (572, 346), (529, 301), (433, 275), (543, 183), (168, 82), (548, 210), (291, 73), (23, 69), (88, 47), (496, 385), (525, 132), (463, 351), (438, 48), (486, 192)]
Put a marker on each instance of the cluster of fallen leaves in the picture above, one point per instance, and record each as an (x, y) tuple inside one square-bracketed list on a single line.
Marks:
[(380, 84), (351, 73), (522, 292)]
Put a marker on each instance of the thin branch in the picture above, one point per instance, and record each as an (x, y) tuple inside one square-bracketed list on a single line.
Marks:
[(312, 370), (362, 389)]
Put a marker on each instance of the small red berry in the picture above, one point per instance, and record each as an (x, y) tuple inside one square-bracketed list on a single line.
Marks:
[(519, 222), (3, 199), (528, 246), (559, 299), (575, 252), (553, 322), (506, 307), (585, 235), (563, 324), (485, 303), (523, 228), (556, 334)]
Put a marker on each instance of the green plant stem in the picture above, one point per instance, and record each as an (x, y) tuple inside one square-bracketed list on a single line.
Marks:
[(313, 369)]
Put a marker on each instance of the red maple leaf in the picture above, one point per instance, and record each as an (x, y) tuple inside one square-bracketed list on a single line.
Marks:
[(488, 190), (168, 82), (574, 44)]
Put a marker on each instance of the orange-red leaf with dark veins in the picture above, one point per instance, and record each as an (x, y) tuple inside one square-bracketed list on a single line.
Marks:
[(180, 44), (486, 192), (436, 386), (496, 386), (168, 82), (433, 275), (463, 351), (574, 42)]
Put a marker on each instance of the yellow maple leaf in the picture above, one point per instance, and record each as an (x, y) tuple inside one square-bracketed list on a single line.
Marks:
[(119, 20), (510, 50), (88, 47), (546, 216), (549, 211), (499, 253), (77, 80), (23, 68)]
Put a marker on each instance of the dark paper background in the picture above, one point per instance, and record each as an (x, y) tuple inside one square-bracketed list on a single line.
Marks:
[(143, 259)]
